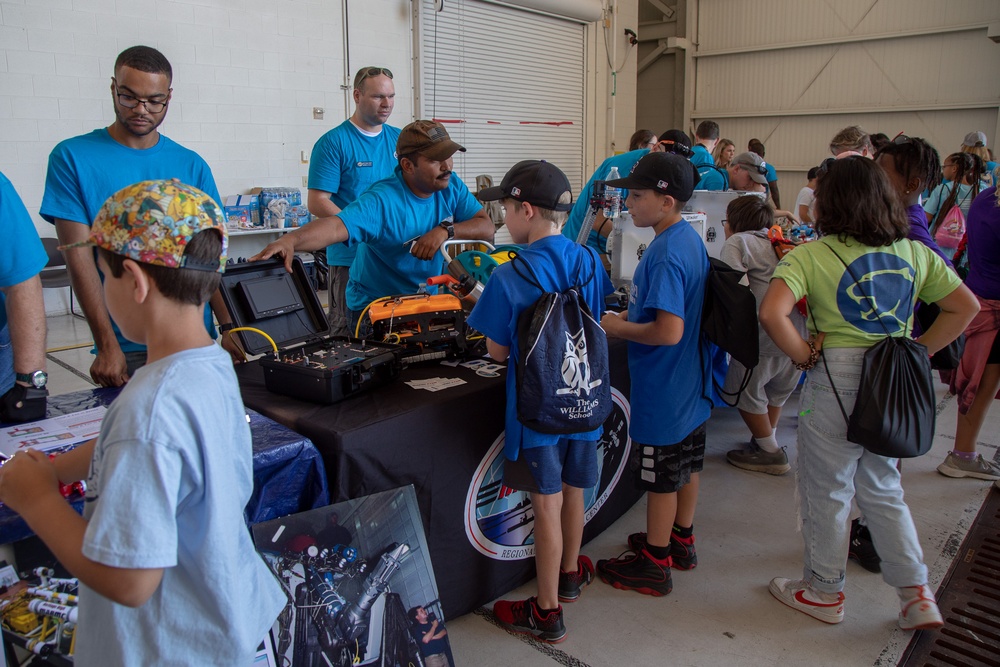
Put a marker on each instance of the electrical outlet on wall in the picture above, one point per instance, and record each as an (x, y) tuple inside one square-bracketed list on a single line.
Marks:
[(305, 181)]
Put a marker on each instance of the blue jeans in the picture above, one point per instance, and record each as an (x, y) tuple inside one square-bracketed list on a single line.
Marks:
[(832, 471)]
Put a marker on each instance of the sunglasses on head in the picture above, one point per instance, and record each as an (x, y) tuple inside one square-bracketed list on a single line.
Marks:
[(370, 72), (900, 139)]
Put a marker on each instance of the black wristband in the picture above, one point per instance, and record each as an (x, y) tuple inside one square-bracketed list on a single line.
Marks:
[(223, 328)]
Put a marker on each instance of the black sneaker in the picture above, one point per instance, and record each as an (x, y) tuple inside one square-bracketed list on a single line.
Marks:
[(637, 571), (525, 617), (862, 549), (572, 583), (682, 556)]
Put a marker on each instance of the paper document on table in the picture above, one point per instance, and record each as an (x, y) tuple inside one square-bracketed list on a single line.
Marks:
[(53, 433), (435, 384)]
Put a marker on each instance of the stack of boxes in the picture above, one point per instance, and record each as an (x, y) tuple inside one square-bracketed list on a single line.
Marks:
[(266, 208)]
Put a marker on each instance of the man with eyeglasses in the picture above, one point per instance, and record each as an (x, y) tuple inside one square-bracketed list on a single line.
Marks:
[(84, 171), (345, 162)]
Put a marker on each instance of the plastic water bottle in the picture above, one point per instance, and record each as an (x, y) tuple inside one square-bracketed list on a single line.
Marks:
[(612, 196)]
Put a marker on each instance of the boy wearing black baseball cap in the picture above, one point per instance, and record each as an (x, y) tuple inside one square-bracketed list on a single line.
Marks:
[(553, 469), (669, 374)]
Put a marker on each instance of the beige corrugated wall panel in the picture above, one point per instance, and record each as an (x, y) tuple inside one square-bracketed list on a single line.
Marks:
[(799, 142), (767, 69), (728, 24), (496, 68), (907, 71)]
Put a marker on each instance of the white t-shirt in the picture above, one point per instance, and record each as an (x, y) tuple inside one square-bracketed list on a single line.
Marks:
[(807, 198)]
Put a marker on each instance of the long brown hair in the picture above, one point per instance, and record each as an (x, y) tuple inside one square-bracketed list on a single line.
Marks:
[(855, 199)]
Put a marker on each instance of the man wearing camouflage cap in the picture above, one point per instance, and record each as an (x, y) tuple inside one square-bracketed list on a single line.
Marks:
[(400, 222)]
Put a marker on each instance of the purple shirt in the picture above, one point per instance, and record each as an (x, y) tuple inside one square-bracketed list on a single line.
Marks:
[(921, 234), (983, 230)]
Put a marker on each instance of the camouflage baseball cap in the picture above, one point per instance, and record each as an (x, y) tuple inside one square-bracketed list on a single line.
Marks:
[(429, 138), (153, 221)]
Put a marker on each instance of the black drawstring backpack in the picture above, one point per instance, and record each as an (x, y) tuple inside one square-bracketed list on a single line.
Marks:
[(894, 411), (729, 320)]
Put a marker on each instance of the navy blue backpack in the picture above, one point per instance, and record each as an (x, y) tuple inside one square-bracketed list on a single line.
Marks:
[(563, 377)]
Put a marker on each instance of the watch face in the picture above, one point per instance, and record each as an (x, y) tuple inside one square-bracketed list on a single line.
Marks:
[(39, 378)]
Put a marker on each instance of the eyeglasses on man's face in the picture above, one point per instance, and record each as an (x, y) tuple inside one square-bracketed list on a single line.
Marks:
[(131, 101)]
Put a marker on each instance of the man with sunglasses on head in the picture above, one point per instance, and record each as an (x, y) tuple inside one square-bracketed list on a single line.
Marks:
[(345, 162), (84, 171)]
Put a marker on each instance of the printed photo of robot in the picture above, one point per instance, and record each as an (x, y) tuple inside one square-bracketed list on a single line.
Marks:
[(360, 585)]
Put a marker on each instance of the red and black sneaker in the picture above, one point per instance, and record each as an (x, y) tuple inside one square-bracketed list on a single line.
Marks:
[(682, 553), (525, 617), (571, 584), (637, 571)]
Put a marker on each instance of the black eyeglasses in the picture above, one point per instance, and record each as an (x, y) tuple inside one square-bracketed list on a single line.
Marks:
[(131, 101), (368, 73)]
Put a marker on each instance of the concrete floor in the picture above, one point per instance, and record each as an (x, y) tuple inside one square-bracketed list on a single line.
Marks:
[(720, 613)]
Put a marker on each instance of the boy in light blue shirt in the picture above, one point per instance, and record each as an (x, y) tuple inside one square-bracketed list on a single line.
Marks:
[(167, 570)]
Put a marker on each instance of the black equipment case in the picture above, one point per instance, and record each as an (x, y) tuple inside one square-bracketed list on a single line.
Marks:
[(310, 363)]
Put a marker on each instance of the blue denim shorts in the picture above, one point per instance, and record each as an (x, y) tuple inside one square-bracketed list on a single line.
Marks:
[(544, 470)]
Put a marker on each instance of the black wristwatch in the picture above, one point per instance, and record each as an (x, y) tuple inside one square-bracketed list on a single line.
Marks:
[(37, 379), (449, 227), (223, 328)]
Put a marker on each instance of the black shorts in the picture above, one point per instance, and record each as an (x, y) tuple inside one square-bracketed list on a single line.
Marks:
[(666, 468), (994, 357)]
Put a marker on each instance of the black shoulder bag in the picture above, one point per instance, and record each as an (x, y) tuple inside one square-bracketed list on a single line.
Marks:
[(894, 411)]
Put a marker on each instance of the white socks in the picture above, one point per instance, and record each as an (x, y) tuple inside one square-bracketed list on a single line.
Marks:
[(768, 444)]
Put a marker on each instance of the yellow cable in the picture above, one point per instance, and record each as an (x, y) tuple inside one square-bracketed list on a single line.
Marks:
[(269, 339), (357, 327)]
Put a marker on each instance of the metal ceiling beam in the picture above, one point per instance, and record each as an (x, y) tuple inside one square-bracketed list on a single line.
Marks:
[(849, 39), (769, 113)]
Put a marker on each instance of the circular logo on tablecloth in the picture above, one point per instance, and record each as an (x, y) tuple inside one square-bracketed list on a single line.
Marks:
[(499, 521)]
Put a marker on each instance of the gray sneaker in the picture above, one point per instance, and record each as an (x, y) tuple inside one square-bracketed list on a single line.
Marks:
[(753, 458), (979, 468)]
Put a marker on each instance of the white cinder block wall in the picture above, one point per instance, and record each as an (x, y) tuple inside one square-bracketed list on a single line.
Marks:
[(247, 74)]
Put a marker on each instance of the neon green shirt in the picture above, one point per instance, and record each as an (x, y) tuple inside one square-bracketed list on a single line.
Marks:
[(887, 275)]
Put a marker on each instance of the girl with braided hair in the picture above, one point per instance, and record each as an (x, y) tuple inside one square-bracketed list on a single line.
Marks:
[(913, 166), (962, 174)]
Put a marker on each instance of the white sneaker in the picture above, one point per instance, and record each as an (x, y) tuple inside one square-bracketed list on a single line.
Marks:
[(978, 468), (793, 594), (920, 612)]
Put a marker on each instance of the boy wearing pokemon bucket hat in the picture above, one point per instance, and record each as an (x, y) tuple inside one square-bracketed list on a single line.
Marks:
[(163, 555)]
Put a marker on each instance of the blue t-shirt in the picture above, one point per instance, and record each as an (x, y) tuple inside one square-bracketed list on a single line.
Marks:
[(701, 157), (772, 175), (712, 178), (383, 221), (169, 478), (558, 264), (937, 197), (669, 381), (21, 254), (625, 163), (85, 170), (345, 162)]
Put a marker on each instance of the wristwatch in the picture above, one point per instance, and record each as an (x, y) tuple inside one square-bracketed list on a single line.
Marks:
[(223, 328), (36, 379), (449, 227)]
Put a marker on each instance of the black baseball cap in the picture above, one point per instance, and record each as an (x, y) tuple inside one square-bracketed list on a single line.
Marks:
[(536, 182), (666, 173)]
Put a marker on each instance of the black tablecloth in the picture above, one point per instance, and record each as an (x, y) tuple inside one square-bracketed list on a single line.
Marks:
[(288, 473), (438, 441)]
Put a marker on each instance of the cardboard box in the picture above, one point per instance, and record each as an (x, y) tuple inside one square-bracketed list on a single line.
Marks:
[(242, 212)]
